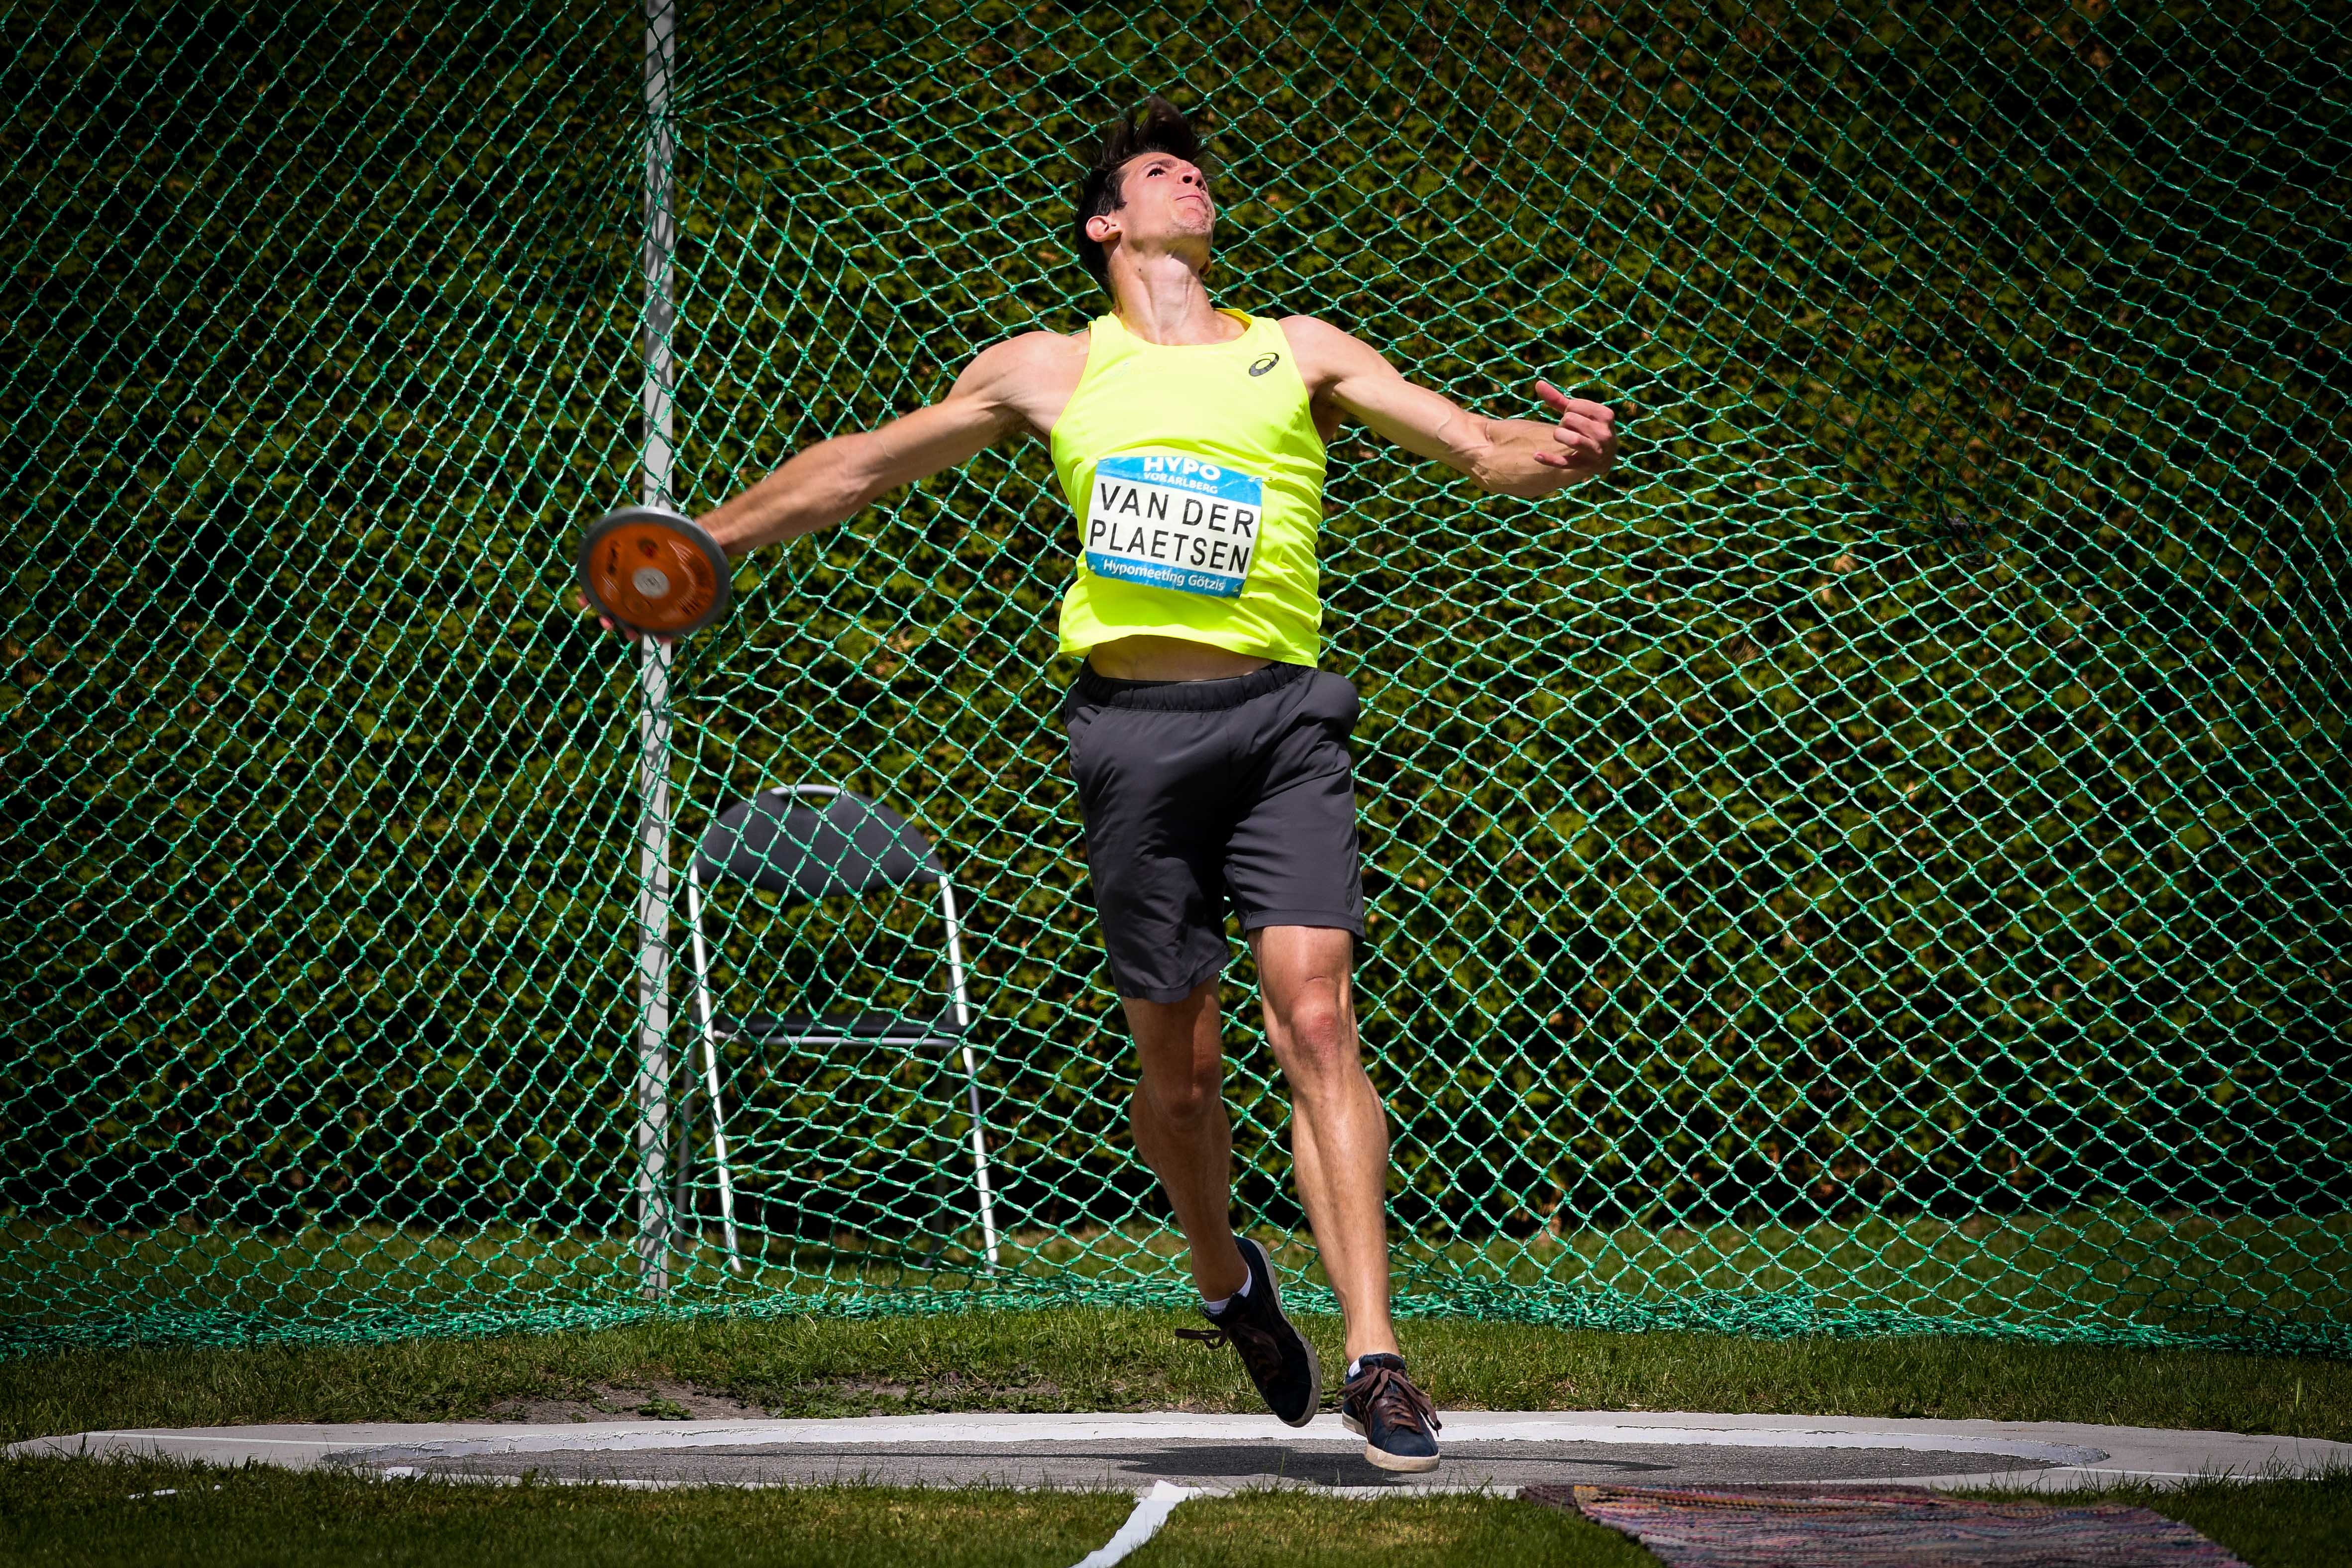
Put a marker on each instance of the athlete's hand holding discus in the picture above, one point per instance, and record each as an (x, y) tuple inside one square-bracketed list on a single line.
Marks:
[(651, 572)]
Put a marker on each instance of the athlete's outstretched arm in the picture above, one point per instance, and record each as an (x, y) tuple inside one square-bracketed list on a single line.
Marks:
[(1524, 457), (835, 480)]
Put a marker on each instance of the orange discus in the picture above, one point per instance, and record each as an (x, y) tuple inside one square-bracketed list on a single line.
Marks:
[(654, 571)]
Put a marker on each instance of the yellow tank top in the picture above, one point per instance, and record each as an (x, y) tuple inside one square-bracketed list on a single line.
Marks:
[(1196, 473)]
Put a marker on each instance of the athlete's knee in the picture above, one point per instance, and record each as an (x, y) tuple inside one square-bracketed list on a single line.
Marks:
[(1319, 1039), (1182, 1084), (1183, 1100)]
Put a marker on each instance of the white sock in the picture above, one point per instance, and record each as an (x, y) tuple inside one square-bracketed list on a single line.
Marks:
[(1218, 1306), (1355, 1365)]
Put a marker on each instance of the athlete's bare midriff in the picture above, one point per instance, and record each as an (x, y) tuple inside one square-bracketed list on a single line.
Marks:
[(1148, 656)]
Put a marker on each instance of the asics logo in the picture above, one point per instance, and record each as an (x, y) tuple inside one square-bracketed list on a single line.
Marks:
[(1263, 363)]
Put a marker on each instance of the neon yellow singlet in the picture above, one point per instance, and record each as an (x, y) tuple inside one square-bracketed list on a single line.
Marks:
[(1196, 473)]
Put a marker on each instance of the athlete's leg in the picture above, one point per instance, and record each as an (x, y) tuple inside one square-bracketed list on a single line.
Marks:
[(1339, 1130), (1182, 1131)]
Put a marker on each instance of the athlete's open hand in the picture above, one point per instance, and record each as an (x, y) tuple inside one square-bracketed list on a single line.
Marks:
[(1585, 445)]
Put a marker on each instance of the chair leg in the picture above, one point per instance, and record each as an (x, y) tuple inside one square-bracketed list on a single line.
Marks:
[(719, 1151), (710, 1074), (980, 1160), (681, 1189), (972, 1079)]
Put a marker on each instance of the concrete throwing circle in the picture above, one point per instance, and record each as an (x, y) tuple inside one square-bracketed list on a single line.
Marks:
[(1485, 1450)]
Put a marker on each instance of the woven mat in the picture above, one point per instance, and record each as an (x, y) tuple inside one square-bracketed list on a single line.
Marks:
[(1882, 1527)]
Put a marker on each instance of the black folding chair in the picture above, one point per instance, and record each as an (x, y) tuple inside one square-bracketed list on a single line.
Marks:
[(813, 840)]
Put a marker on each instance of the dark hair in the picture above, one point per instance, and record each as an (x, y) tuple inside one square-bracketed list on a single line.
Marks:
[(1162, 129)]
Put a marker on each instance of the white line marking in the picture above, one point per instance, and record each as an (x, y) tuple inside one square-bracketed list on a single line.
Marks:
[(1151, 1512)]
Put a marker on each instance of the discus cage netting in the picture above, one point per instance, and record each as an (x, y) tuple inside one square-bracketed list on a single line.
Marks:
[(1872, 863)]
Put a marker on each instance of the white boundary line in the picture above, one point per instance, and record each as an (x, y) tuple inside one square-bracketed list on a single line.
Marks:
[(1151, 1512)]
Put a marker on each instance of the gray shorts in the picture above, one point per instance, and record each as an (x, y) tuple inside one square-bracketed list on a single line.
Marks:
[(1198, 794)]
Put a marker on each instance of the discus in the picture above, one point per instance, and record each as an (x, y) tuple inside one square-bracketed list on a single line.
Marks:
[(654, 572)]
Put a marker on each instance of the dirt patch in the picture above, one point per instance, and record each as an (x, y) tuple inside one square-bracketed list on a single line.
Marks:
[(657, 1399), (911, 1396), (666, 1399), (854, 1389)]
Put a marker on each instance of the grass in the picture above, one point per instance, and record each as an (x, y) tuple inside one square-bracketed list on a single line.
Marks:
[(79, 1511), (1288, 1530), (1080, 1359), (67, 1513), (2270, 1525), (2099, 1270), (2300, 1524)]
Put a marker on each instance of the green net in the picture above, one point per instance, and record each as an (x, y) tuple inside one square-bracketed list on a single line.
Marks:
[(1873, 863)]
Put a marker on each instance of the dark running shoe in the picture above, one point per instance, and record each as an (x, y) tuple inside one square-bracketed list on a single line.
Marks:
[(1395, 1419), (1278, 1356)]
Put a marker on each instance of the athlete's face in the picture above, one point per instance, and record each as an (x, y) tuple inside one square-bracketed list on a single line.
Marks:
[(1164, 183), (1166, 206)]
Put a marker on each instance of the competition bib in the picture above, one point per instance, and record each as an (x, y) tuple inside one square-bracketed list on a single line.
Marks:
[(1173, 522)]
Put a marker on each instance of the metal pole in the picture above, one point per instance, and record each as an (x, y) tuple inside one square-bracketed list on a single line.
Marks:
[(653, 672), (652, 970)]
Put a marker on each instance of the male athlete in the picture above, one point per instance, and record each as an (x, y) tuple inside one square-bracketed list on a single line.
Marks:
[(1210, 755)]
